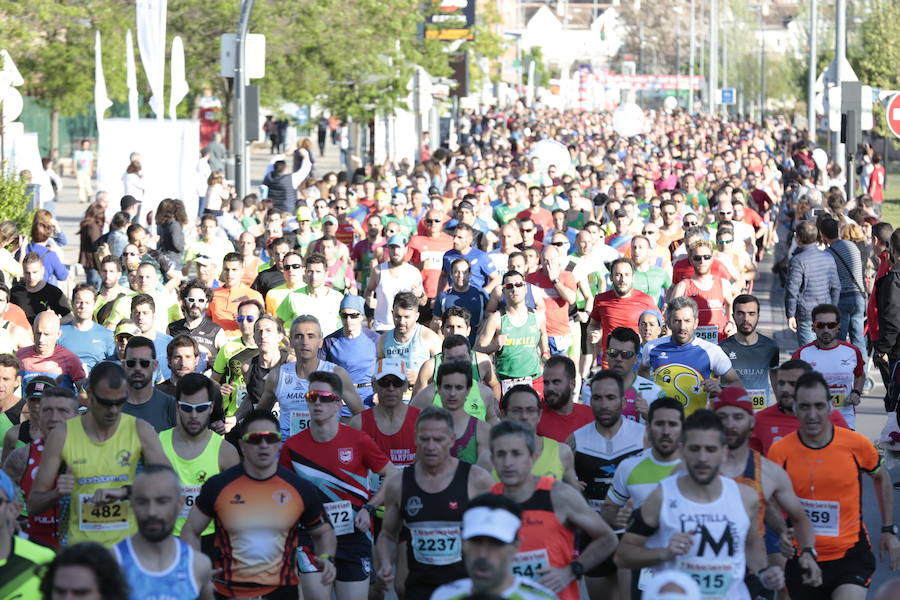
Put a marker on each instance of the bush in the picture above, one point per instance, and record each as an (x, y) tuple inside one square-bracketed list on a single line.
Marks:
[(14, 199)]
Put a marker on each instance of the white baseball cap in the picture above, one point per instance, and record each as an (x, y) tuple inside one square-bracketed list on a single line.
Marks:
[(390, 366), (496, 523)]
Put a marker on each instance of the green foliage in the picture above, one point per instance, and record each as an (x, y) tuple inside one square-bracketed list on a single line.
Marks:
[(487, 43), (14, 199), (876, 61), (535, 54)]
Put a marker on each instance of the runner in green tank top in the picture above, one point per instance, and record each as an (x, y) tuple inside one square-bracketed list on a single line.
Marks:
[(454, 382), (195, 451)]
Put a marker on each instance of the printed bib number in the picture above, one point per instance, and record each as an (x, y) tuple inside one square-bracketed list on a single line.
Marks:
[(299, 421), (758, 397), (189, 495), (644, 579), (112, 516), (436, 545), (341, 515), (825, 516), (838, 395), (507, 384), (711, 584), (710, 333), (530, 564)]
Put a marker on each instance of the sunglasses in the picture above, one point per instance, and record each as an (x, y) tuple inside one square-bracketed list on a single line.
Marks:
[(725, 241), (393, 382), (321, 397), (197, 408), (350, 315), (258, 437), (195, 300), (516, 284), (558, 244), (616, 353), (133, 362), (826, 325), (110, 403), (242, 318), (293, 266), (702, 257)]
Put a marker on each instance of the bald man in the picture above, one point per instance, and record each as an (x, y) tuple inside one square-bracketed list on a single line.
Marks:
[(47, 357)]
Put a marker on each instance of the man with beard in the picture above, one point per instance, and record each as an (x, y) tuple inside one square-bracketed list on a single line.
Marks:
[(154, 559), (622, 347), (723, 540), (144, 400), (840, 362), (232, 360), (183, 356), (562, 415), (735, 409), (409, 340), (753, 356), (552, 513), (392, 277), (599, 448), (713, 294), (195, 451), (195, 298), (223, 307)]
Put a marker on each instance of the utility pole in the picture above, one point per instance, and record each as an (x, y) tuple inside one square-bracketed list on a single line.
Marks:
[(691, 59), (762, 69), (840, 57), (811, 79), (239, 140), (713, 53)]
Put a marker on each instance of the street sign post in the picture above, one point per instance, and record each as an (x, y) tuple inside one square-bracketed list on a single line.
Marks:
[(892, 115), (726, 96)]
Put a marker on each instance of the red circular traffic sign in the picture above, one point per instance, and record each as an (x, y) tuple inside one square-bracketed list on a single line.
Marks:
[(892, 115)]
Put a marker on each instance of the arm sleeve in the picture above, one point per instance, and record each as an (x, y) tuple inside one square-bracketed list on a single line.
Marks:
[(221, 360), (618, 493)]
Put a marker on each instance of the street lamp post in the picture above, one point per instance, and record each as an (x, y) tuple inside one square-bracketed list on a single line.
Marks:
[(691, 57), (713, 53), (811, 78), (239, 145)]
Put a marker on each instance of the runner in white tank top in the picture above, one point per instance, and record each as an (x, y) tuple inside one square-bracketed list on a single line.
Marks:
[(387, 281)]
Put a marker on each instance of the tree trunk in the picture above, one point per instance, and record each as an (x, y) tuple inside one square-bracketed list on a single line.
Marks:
[(54, 133)]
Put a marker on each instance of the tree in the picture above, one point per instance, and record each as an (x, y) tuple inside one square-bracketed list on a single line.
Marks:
[(876, 62)]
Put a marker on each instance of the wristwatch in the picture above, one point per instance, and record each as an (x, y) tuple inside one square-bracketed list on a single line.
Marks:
[(577, 569), (890, 529), (811, 551), (370, 509)]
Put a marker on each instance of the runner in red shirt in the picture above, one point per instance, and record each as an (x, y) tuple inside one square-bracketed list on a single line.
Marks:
[(559, 288), (561, 415), (391, 423), (713, 295), (427, 251), (539, 215)]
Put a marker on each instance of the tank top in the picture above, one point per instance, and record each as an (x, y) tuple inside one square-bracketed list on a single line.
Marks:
[(474, 404), (716, 560), (412, 352), (465, 448), (192, 473), (547, 464), (389, 284), (256, 377), (108, 464), (42, 527), (293, 412), (711, 310), (176, 582), (597, 458), (752, 477), (434, 521), (543, 540), (400, 447), (520, 355)]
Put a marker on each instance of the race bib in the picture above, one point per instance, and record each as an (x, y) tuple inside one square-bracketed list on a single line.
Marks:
[(644, 579), (530, 564), (432, 259), (341, 516), (825, 516), (299, 421), (711, 584), (758, 397), (112, 516), (507, 384), (710, 333), (436, 545), (838, 394), (189, 495)]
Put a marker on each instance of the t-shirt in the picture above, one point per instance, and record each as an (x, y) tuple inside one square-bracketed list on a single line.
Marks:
[(611, 310), (91, 346), (683, 269), (159, 410), (324, 308), (773, 423), (62, 365), (481, 267), (828, 485), (473, 299), (839, 365), (358, 356), (679, 369), (48, 297), (557, 309), (753, 363), (637, 476), (224, 304), (653, 282), (429, 252), (560, 427)]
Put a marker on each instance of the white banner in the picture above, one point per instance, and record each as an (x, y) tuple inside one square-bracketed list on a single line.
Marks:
[(179, 88), (131, 77), (101, 98), (151, 33)]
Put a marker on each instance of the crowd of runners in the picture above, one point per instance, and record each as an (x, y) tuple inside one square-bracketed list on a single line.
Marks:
[(479, 375)]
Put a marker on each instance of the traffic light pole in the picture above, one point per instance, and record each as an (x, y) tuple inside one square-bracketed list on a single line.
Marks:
[(239, 120)]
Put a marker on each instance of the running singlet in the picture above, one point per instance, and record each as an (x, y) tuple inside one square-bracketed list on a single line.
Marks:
[(20, 573), (293, 412), (474, 405), (597, 458), (520, 356), (543, 540), (465, 447), (399, 447), (680, 369), (413, 352), (826, 481), (95, 465), (192, 473), (257, 528), (711, 310), (637, 476), (339, 469), (434, 521), (716, 560), (752, 478), (42, 527), (839, 365), (176, 582)]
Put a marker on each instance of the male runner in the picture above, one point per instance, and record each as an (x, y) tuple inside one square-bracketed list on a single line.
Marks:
[(825, 464), (840, 362), (101, 450), (233, 360), (753, 355), (700, 522), (599, 447), (195, 298), (196, 453), (22, 560), (552, 511), (354, 346), (622, 352), (409, 340), (712, 294), (153, 559), (683, 364), (778, 420), (561, 415), (482, 367), (337, 459), (85, 338), (429, 499), (259, 508)]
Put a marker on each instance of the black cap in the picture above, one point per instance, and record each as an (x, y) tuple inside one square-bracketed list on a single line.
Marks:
[(128, 201)]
